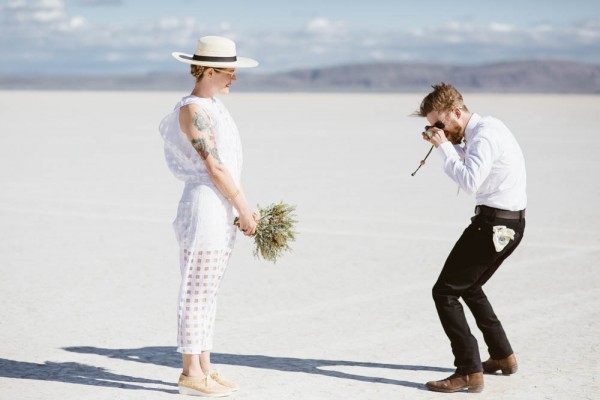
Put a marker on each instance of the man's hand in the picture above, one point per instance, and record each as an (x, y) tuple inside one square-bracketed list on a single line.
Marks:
[(437, 136)]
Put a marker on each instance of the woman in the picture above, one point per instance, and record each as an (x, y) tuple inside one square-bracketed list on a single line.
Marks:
[(202, 148)]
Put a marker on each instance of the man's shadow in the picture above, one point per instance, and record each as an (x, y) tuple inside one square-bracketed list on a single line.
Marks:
[(76, 373), (167, 356)]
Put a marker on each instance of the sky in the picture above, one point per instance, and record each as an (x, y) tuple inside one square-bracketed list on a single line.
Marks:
[(137, 36)]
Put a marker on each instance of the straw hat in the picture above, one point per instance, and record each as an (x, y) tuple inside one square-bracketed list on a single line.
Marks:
[(215, 51)]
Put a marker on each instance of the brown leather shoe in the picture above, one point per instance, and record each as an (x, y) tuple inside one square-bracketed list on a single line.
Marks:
[(507, 365), (455, 382)]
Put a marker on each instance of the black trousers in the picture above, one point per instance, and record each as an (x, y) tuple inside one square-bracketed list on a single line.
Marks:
[(471, 263)]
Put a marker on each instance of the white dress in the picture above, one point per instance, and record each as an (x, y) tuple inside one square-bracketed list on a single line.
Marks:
[(204, 224)]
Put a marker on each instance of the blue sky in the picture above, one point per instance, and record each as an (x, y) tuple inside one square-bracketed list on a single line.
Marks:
[(137, 36)]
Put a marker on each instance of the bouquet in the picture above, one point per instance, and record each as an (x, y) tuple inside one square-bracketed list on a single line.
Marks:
[(273, 231)]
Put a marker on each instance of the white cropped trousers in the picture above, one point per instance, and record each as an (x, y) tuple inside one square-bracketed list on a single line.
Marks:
[(206, 235)]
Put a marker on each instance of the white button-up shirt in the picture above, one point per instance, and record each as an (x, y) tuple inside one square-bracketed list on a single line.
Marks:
[(491, 164)]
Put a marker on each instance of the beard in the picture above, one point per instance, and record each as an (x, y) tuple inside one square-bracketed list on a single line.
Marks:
[(454, 132)]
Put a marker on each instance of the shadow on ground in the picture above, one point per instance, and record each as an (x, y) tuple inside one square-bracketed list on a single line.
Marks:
[(71, 372), (167, 356), (82, 374)]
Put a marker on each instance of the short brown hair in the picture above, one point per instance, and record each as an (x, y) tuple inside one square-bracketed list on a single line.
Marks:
[(197, 71), (444, 97)]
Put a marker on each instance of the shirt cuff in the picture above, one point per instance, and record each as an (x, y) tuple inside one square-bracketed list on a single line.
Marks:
[(447, 150)]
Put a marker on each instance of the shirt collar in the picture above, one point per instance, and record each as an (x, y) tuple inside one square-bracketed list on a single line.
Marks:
[(470, 129)]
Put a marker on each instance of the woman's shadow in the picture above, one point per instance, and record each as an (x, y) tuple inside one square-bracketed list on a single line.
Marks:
[(167, 356), (77, 373)]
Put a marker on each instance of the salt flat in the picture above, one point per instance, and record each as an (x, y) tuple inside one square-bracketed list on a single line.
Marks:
[(90, 272)]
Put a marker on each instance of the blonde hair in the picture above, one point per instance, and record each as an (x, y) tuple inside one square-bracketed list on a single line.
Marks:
[(197, 71), (444, 97)]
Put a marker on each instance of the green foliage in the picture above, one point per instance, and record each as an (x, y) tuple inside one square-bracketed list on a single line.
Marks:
[(274, 231)]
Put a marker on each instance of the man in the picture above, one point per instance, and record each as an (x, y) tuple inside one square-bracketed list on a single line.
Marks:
[(489, 164)]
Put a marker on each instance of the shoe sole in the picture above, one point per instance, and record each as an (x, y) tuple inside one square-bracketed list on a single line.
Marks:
[(470, 389), (505, 371), (229, 387), (194, 392)]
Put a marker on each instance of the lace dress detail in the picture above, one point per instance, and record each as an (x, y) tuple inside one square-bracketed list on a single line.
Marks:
[(204, 223)]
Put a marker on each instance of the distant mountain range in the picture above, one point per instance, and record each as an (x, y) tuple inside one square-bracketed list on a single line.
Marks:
[(509, 77)]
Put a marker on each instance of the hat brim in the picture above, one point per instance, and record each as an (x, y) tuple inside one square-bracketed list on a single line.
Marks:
[(241, 62)]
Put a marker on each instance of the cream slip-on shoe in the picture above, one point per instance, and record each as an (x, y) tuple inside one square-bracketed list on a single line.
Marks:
[(224, 382), (203, 386)]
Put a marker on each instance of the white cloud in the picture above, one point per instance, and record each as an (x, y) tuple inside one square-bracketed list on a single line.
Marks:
[(454, 39), (100, 2), (324, 26), (113, 57), (377, 55), (168, 23), (47, 15), (44, 15), (370, 42), (318, 50), (63, 38), (588, 32), (544, 29), (73, 23), (12, 5), (497, 27), (50, 3), (454, 26), (153, 56)]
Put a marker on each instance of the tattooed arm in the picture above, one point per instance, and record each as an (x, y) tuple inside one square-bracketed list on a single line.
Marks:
[(204, 143), (197, 126)]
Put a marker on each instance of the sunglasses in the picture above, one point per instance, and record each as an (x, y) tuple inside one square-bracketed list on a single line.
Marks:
[(438, 124), (230, 73)]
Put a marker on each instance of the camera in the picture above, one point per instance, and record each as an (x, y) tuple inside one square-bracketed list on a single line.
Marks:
[(429, 133)]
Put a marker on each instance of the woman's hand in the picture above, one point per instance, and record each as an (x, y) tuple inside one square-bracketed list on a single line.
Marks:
[(248, 222)]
